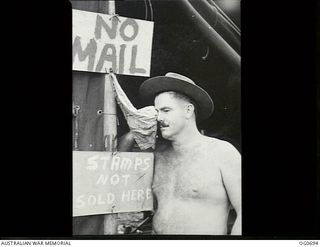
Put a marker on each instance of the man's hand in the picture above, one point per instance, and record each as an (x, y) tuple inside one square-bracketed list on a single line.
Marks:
[(126, 142)]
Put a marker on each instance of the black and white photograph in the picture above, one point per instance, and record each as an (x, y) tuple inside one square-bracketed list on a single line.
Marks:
[(160, 120), (156, 117)]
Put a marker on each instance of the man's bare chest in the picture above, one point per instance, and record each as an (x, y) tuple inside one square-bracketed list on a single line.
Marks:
[(189, 177)]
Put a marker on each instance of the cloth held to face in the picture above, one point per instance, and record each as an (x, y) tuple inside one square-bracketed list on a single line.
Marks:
[(142, 122)]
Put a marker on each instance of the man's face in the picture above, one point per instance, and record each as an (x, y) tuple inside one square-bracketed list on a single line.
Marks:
[(171, 114)]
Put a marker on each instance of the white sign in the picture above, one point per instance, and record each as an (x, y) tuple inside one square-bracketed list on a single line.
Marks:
[(106, 183), (101, 42)]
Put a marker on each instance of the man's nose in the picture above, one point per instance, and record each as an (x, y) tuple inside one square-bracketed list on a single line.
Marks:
[(159, 117)]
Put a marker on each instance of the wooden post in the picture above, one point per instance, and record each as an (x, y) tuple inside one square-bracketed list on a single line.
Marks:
[(109, 131)]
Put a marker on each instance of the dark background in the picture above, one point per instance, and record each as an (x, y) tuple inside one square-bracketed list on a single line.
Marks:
[(279, 124)]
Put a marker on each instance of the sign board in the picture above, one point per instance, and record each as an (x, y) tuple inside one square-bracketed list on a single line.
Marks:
[(105, 183), (101, 42)]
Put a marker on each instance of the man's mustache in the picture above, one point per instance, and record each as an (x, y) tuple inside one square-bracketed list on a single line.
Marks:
[(163, 124)]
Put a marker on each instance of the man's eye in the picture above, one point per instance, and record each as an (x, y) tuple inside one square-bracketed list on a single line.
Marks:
[(166, 110)]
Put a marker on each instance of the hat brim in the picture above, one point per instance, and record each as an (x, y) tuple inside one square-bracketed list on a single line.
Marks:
[(153, 86)]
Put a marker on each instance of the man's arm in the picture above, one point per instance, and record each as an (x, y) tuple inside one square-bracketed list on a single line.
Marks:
[(126, 142), (231, 174)]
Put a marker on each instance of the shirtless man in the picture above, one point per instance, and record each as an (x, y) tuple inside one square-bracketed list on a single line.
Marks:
[(197, 178)]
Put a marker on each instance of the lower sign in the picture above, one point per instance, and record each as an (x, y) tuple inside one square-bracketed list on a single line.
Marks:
[(105, 183)]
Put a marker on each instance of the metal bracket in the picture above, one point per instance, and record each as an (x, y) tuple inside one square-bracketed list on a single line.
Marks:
[(75, 113), (114, 16), (75, 110), (108, 71)]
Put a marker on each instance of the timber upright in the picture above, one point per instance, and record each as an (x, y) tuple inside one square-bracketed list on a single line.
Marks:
[(107, 182)]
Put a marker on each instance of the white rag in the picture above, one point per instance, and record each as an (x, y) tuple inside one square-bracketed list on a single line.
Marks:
[(142, 122)]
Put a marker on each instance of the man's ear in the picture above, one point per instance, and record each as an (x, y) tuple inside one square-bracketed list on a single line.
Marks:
[(189, 110)]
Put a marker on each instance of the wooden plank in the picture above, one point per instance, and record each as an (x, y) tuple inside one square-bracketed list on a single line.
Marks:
[(104, 182), (88, 93), (110, 222), (101, 42)]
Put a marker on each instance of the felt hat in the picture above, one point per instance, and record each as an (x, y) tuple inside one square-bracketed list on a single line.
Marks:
[(181, 84)]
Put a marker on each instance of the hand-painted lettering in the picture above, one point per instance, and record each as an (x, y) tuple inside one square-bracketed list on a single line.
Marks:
[(111, 31), (106, 182), (90, 52), (133, 68), (101, 42), (134, 29)]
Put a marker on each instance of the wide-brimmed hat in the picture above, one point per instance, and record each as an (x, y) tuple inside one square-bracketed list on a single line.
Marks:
[(181, 84)]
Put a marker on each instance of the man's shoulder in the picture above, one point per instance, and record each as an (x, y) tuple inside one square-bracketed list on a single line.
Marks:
[(224, 150), (220, 145)]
